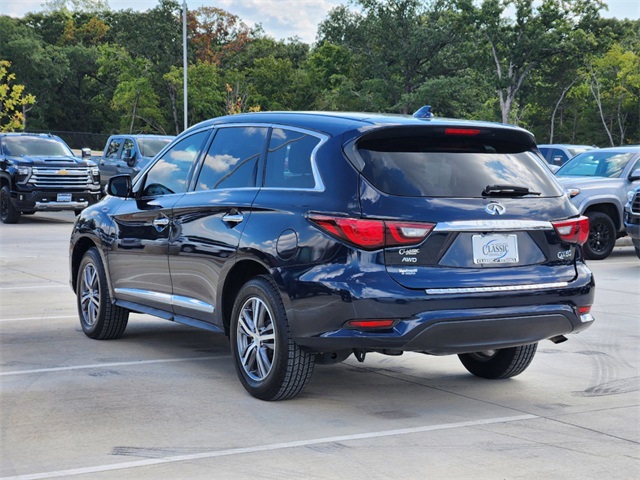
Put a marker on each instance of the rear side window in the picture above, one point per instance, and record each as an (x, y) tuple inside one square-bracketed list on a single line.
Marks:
[(451, 166), (232, 159), (289, 159)]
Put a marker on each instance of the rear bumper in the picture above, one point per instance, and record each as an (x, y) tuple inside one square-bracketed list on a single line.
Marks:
[(460, 331), (439, 324)]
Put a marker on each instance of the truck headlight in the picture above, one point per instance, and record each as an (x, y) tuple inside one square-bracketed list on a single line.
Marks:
[(630, 195), (23, 174), (95, 171)]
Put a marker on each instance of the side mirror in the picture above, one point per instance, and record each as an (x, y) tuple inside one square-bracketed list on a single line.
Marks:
[(635, 175), (119, 186), (129, 157), (557, 160), (86, 153)]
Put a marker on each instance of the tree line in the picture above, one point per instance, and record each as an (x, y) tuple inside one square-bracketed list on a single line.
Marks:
[(555, 67)]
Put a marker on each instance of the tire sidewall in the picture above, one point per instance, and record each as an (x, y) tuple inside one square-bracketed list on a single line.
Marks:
[(262, 289), (10, 214)]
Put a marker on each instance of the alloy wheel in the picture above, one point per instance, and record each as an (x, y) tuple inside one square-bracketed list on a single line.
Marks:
[(90, 294), (256, 339)]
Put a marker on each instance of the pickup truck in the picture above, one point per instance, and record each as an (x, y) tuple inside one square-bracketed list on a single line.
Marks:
[(597, 182), (128, 154), (39, 172)]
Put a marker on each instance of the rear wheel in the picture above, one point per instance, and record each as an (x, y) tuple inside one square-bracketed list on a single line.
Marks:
[(503, 363), (269, 363), (602, 236), (100, 319), (8, 214)]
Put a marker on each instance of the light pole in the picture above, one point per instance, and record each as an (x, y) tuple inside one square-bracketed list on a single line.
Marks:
[(184, 58)]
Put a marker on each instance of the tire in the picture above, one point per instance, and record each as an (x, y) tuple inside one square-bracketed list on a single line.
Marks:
[(269, 364), (503, 363), (8, 214), (99, 317), (602, 236)]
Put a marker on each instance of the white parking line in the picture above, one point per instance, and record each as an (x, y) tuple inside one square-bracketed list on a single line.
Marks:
[(43, 317), (102, 365), (267, 448), (35, 287)]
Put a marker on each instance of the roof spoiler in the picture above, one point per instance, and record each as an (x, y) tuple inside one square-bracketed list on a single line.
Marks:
[(424, 112)]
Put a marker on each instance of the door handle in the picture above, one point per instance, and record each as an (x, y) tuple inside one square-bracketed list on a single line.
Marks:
[(233, 218), (161, 223)]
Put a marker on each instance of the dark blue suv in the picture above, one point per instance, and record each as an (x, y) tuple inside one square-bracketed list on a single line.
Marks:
[(308, 237)]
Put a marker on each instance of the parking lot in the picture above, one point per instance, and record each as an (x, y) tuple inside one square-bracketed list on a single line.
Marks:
[(164, 400)]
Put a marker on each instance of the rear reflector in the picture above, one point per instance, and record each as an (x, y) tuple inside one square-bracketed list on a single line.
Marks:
[(573, 231), (386, 323), (584, 309), (373, 234)]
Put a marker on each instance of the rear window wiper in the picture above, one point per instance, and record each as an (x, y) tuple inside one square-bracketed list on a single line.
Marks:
[(507, 191)]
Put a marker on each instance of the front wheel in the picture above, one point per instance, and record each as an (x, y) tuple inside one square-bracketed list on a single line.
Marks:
[(502, 363), (269, 363), (8, 214), (100, 319), (602, 236)]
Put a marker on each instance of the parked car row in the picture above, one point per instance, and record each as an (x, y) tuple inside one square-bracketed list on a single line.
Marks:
[(597, 182), (559, 154)]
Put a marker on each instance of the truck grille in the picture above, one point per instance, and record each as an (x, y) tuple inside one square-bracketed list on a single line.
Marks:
[(635, 203), (54, 177)]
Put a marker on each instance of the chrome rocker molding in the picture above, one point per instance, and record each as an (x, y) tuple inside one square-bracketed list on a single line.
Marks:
[(506, 288), (173, 300)]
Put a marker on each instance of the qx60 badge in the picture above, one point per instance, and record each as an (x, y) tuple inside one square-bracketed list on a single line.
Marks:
[(495, 208)]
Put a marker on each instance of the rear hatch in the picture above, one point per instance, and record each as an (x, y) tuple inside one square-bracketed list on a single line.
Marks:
[(492, 210)]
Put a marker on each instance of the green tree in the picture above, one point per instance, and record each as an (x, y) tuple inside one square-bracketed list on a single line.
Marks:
[(13, 100), (516, 45), (396, 45), (614, 83)]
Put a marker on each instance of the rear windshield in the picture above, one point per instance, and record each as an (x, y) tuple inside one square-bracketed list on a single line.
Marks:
[(452, 167)]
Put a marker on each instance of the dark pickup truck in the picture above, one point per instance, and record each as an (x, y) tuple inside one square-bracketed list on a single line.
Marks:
[(128, 154), (39, 172)]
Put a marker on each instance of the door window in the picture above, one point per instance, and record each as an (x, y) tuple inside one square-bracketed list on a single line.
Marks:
[(232, 159), (170, 173), (289, 159), (114, 146)]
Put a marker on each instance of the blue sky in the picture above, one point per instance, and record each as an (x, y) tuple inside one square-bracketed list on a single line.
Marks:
[(280, 19)]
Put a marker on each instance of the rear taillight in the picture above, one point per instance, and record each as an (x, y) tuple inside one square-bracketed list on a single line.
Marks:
[(573, 231), (373, 234)]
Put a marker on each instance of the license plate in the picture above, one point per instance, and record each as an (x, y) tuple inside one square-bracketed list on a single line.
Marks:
[(64, 197), (492, 249)]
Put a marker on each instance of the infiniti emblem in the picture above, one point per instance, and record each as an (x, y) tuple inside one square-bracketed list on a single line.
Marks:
[(495, 208)]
